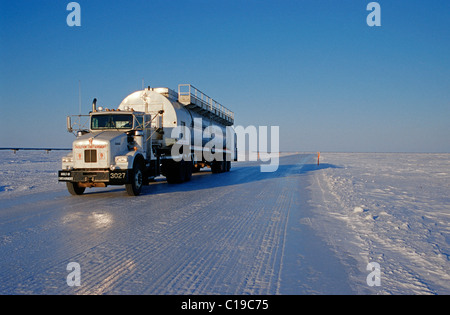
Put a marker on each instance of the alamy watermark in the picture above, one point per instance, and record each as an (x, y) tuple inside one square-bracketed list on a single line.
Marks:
[(74, 277), (74, 17), (214, 143), (374, 17), (374, 277)]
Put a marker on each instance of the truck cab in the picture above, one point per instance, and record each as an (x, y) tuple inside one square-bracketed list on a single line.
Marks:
[(116, 150)]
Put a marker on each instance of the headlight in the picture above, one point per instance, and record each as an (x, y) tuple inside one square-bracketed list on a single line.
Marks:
[(67, 159), (121, 159)]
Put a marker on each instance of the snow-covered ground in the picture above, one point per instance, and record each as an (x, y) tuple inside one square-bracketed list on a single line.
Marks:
[(392, 209), (28, 172), (304, 229)]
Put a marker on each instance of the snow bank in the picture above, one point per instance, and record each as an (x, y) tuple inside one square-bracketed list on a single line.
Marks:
[(392, 209)]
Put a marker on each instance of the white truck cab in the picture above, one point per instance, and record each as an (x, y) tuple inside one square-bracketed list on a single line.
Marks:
[(112, 152)]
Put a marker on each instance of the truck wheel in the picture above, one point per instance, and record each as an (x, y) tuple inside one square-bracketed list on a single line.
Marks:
[(74, 189), (217, 167), (134, 188), (189, 169), (176, 172), (196, 169)]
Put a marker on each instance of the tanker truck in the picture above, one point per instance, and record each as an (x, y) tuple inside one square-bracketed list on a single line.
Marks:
[(153, 132)]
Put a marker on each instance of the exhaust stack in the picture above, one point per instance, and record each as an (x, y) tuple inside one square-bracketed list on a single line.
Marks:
[(94, 105)]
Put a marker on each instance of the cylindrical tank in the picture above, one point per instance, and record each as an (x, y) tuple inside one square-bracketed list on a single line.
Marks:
[(154, 100)]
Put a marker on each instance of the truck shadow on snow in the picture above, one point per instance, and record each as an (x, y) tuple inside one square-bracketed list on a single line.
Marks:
[(237, 176)]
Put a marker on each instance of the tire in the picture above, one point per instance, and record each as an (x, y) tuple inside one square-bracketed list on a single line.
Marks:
[(217, 167), (176, 172), (189, 169), (196, 169), (74, 189), (228, 166), (134, 188)]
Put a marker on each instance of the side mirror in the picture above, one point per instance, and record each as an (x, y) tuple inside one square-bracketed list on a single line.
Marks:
[(69, 124)]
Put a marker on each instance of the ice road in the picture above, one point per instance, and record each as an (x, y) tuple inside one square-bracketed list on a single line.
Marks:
[(242, 232)]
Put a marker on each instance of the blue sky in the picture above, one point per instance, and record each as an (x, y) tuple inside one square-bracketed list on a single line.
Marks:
[(312, 67)]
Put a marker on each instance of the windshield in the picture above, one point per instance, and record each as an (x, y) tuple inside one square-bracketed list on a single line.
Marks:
[(112, 121)]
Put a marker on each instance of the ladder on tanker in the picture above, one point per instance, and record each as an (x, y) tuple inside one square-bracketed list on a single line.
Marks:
[(197, 101)]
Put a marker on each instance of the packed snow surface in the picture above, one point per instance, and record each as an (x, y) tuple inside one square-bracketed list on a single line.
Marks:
[(392, 209), (305, 229)]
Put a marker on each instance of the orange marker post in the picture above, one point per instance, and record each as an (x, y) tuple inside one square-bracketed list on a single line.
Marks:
[(318, 158)]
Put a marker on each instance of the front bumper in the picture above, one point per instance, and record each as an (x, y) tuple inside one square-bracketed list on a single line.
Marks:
[(118, 177)]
